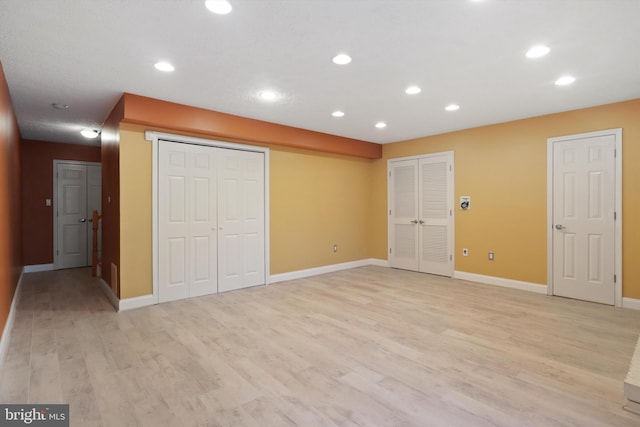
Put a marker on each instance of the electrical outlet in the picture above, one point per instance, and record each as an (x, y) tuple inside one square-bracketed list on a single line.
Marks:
[(465, 252), (491, 256), (335, 248)]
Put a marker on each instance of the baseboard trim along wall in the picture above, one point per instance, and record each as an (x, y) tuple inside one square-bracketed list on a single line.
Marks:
[(8, 327), (631, 303), (499, 281), (38, 267), (136, 302), (106, 289), (309, 272)]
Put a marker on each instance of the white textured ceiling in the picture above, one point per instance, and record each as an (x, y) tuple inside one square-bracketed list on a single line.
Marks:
[(86, 53)]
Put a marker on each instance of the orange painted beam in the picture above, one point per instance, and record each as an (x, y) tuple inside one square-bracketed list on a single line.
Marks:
[(152, 112)]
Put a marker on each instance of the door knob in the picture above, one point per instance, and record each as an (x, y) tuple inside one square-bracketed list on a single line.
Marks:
[(82, 220), (560, 227), (421, 222), (415, 221)]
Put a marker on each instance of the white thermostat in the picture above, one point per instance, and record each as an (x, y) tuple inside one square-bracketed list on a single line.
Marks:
[(465, 202)]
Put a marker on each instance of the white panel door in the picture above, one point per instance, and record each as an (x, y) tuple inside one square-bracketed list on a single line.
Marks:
[(583, 219), (434, 219), (71, 215), (241, 219), (403, 211), (187, 221)]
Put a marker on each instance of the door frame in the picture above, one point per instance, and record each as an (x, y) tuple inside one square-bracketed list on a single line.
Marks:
[(617, 265), (154, 137), (449, 154), (55, 201)]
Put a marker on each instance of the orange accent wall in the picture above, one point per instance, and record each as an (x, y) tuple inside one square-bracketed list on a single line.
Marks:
[(37, 185), (141, 110), (10, 205), (110, 138)]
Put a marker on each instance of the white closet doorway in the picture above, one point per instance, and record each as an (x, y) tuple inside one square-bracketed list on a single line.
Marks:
[(210, 220), (421, 213)]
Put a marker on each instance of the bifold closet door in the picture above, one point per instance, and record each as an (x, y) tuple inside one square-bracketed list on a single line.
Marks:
[(241, 219), (187, 221), (421, 214)]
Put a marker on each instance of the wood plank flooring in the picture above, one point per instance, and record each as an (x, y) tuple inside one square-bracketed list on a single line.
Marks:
[(365, 347)]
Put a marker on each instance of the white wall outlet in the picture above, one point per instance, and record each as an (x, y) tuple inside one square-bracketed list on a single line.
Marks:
[(47, 202), (491, 256), (465, 252)]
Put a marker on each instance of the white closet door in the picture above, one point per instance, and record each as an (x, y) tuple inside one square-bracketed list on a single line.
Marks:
[(202, 208), (187, 221), (241, 219), (403, 190), (436, 204)]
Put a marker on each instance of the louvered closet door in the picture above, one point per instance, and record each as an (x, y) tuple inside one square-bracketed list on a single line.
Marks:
[(187, 221), (403, 190), (436, 204), (241, 230)]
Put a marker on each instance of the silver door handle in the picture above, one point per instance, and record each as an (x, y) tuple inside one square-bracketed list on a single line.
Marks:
[(90, 220), (415, 221), (82, 220), (560, 227), (421, 222)]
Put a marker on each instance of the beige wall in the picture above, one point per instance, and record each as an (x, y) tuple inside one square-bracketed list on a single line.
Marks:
[(503, 168)]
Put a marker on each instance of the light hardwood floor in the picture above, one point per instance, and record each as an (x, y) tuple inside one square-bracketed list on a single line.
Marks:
[(364, 347)]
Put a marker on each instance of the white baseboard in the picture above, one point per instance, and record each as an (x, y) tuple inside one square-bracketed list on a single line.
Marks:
[(631, 303), (106, 289), (8, 326), (38, 267), (309, 272), (499, 281), (136, 302)]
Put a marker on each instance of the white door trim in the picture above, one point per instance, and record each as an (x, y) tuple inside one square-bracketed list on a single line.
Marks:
[(617, 133), (154, 137), (450, 155), (55, 200)]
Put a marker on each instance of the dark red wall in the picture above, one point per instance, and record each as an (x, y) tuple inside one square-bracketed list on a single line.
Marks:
[(10, 206), (37, 185)]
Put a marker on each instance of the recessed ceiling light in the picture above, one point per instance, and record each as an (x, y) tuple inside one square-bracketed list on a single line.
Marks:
[(89, 133), (452, 107), (268, 95), (58, 106), (164, 66), (538, 51), (381, 125), (341, 59), (337, 114), (565, 80), (221, 7), (413, 90)]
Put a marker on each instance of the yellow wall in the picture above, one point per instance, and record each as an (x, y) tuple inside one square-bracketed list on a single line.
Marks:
[(503, 168), (320, 199), (317, 200), (135, 215)]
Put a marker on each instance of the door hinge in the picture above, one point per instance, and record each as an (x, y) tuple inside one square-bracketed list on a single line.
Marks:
[(389, 211), (614, 278), (389, 174), (615, 216), (450, 212), (57, 252), (389, 250), (615, 153), (450, 257), (450, 168)]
